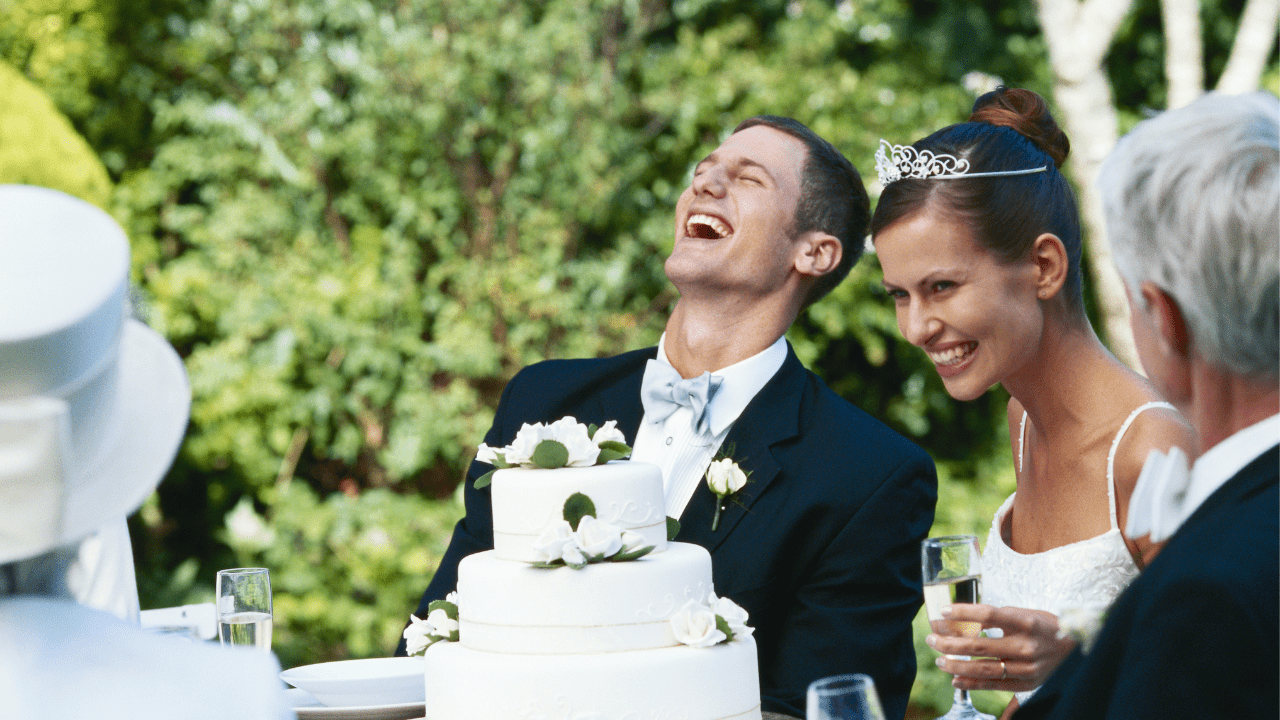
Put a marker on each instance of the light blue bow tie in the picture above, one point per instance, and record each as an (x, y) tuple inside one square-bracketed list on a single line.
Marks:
[(662, 391)]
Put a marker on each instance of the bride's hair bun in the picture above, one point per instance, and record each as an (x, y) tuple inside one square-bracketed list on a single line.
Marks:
[(1027, 114)]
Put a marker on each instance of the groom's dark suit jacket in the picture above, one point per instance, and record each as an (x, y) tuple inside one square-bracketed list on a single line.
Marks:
[(1194, 636), (825, 555)]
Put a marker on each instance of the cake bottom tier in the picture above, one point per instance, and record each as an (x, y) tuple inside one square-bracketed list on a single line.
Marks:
[(675, 683)]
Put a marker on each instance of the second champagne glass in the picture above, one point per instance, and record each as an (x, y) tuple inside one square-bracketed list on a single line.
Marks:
[(843, 697), (244, 607), (952, 572)]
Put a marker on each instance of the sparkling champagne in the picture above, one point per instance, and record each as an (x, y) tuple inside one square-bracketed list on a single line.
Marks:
[(248, 629), (941, 595)]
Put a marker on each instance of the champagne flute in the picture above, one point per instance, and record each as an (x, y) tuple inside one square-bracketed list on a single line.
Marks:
[(843, 697), (244, 607), (952, 569)]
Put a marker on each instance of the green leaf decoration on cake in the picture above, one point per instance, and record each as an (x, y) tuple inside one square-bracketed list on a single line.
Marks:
[(673, 528), (448, 607), (632, 554), (550, 454), (576, 507), (612, 450), (498, 461), (723, 626)]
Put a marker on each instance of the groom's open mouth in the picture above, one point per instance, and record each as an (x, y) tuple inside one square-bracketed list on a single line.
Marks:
[(707, 227)]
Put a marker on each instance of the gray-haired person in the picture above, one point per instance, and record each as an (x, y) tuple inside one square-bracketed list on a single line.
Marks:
[(93, 407), (1193, 212)]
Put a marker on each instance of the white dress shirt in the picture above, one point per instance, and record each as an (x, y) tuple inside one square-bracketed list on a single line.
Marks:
[(675, 445), (1223, 461)]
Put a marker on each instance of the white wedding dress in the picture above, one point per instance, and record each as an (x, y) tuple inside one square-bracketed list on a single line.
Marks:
[(1076, 575)]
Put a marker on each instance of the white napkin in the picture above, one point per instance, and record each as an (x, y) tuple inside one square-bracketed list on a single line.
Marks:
[(1158, 506)]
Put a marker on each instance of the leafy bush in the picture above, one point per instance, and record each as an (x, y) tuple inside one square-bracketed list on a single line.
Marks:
[(38, 146), (345, 571)]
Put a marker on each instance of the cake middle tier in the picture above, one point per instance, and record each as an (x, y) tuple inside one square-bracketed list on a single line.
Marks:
[(507, 606)]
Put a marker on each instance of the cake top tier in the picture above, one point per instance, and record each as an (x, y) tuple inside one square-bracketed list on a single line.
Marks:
[(529, 505)]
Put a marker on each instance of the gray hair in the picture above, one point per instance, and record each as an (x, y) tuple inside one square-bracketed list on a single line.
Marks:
[(1192, 199)]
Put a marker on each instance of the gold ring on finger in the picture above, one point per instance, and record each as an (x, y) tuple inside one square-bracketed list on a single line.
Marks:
[(1004, 671)]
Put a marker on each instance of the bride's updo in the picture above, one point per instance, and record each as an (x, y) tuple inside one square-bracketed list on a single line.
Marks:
[(1009, 129)]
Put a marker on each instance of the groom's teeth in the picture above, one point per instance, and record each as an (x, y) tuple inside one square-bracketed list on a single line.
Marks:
[(716, 227), (953, 356)]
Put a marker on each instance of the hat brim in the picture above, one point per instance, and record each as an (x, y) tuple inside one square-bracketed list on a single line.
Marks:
[(152, 409)]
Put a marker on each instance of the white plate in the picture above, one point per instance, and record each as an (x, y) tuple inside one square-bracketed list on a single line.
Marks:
[(361, 683), (308, 707)]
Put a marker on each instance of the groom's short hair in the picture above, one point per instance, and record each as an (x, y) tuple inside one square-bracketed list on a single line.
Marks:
[(832, 198)]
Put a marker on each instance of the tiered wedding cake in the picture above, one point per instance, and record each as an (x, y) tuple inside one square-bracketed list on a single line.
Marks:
[(584, 610)]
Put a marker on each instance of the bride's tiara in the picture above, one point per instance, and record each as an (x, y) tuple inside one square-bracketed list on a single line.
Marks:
[(904, 161)]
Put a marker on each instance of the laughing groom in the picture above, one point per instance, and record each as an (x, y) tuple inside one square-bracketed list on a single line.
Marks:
[(823, 551)]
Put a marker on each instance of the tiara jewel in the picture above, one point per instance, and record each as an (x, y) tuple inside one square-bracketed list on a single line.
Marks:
[(904, 161)]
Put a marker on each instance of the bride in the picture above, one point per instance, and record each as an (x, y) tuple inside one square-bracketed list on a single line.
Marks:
[(979, 238)]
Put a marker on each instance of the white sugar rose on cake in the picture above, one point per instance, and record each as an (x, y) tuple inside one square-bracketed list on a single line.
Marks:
[(584, 608)]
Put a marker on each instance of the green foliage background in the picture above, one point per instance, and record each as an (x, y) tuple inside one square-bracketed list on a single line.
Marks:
[(356, 219)]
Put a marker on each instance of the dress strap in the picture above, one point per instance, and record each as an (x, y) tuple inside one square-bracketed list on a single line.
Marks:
[(1022, 437), (1111, 456)]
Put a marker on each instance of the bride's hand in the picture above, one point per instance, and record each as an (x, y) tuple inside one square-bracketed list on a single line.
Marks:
[(1021, 660)]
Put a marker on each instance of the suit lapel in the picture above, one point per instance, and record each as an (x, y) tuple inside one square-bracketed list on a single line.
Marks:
[(772, 416), (621, 400), (1254, 477)]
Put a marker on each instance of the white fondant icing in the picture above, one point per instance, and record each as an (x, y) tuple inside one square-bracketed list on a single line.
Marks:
[(676, 683), (527, 501), (513, 607), (589, 644)]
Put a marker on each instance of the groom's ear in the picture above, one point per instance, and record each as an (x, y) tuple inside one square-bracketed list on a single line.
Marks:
[(817, 253)]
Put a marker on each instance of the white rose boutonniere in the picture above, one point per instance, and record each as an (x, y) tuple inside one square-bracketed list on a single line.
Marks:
[(564, 443), (725, 479)]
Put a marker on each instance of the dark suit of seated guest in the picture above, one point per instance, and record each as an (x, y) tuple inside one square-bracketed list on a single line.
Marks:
[(1193, 212), (823, 550)]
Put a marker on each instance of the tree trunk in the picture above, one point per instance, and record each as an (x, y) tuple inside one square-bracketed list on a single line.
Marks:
[(1183, 51), (1254, 39), (1078, 36)]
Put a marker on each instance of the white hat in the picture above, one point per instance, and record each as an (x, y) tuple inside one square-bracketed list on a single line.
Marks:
[(93, 404)]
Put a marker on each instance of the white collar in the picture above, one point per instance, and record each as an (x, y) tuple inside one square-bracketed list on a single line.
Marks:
[(1223, 461), (742, 381)]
